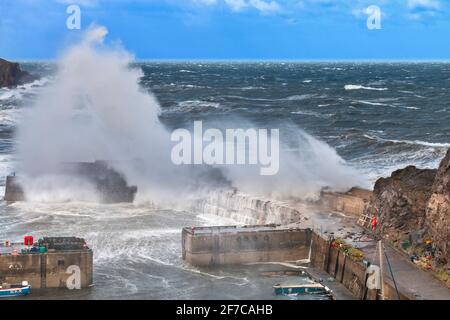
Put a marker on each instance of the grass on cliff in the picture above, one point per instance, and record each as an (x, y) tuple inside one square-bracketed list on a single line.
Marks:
[(354, 253), (444, 276)]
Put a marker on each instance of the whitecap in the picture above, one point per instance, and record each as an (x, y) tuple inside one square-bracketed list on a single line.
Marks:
[(373, 103), (412, 142), (349, 87)]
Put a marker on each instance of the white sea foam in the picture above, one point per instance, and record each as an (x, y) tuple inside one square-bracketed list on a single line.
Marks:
[(371, 103), (299, 97), (349, 87), (412, 142), (18, 92)]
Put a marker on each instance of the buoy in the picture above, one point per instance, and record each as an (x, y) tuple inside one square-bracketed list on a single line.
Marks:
[(15, 252)]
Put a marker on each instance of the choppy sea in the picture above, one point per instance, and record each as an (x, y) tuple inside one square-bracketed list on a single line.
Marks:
[(376, 116)]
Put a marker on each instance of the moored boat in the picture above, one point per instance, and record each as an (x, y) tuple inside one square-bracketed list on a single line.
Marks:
[(308, 288), (15, 290)]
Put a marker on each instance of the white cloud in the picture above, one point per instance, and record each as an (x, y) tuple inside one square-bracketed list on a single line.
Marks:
[(265, 7), (424, 4), (236, 5)]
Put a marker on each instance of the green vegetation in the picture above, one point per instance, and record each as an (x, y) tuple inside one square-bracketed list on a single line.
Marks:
[(352, 252)]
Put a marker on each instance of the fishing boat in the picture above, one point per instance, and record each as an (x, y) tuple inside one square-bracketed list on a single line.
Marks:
[(308, 288), (7, 290)]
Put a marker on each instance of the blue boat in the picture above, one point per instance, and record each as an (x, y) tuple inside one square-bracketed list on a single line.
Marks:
[(309, 288), (9, 291)]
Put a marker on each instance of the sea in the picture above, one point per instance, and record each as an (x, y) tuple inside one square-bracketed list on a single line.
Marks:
[(376, 117)]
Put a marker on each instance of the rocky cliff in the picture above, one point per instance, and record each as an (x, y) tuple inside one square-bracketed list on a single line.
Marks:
[(438, 212), (400, 202), (413, 206), (11, 75)]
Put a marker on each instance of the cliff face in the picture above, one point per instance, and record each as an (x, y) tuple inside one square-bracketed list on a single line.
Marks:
[(11, 75), (400, 201), (438, 212), (414, 204)]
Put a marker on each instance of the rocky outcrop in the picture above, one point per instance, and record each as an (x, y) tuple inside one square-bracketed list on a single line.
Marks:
[(414, 205), (438, 212), (11, 75), (400, 202)]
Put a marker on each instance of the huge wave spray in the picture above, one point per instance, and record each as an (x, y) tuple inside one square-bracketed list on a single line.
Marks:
[(96, 110)]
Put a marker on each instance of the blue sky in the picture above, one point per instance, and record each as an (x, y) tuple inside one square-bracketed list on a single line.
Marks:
[(234, 29)]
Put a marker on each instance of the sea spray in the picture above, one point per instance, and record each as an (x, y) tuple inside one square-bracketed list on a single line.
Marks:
[(96, 110), (307, 165)]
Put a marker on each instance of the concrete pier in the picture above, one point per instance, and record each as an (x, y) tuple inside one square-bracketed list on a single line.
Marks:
[(51, 269), (207, 246)]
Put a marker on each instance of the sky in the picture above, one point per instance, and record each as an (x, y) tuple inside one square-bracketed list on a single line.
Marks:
[(234, 29)]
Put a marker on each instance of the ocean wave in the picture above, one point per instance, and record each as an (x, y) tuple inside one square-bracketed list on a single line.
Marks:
[(349, 87), (298, 97), (411, 142), (412, 108), (193, 106), (251, 88), (10, 94), (18, 92), (182, 86), (9, 117), (373, 103), (311, 113)]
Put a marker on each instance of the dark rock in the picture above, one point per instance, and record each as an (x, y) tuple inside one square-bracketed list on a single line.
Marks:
[(400, 201), (110, 184), (11, 75), (438, 212)]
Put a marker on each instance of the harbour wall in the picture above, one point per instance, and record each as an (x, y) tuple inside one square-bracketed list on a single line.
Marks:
[(251, 210), (47, 270), (215, 246), (348, 271), (248, 209), (352, 202), (212, 246)]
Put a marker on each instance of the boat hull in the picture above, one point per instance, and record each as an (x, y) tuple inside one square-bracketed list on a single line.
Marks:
[(300, 290), (15, 292)]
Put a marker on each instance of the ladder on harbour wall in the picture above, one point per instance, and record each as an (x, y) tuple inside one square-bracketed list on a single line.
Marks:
[(43, 271)]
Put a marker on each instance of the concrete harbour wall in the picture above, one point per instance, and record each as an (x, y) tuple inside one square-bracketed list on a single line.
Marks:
[(239, 245), (352, 202), (48, 270), (346, 270)]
